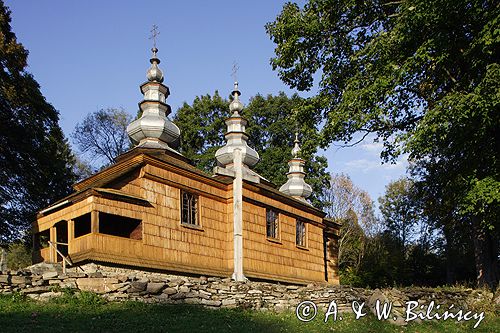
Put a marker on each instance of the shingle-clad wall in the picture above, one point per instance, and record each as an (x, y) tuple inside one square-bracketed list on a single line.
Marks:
[(207, 248), (264, 257), (204, 246)]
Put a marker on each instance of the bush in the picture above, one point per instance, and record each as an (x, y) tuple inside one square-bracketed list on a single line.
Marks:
[(79, 298), (18, 256)]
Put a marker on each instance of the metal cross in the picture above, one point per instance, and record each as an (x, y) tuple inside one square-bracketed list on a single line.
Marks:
[(235, 71), (154, 33)]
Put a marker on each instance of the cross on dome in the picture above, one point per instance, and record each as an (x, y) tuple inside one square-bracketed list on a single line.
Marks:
[(154, 34)]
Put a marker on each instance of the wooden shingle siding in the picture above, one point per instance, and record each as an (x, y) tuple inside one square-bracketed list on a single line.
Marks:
[(206, 248)]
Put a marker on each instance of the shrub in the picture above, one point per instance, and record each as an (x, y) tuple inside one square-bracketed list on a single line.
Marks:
[(18, 256), (79, 298)]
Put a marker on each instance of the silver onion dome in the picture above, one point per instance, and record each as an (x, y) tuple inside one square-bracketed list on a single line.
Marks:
[(236, 106), (236, 138), (154, 72), (154, 129), (296, 185)]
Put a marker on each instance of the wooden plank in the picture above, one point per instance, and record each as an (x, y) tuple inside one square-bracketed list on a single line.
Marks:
[(94, 222)]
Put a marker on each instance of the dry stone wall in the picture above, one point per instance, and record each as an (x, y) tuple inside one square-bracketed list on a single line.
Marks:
[(44, 281)]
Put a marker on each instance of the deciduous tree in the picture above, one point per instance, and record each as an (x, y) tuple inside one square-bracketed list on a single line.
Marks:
[(271, 128), (399, 210), (423, 75), (102, 136), (352, 207)]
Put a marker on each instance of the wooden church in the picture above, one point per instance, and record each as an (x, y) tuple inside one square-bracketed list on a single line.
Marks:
[(153, 209)]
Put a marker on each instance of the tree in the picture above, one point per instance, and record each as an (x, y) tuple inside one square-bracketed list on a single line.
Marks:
[(102, 136), (399, 211), (202, 129), (35, 159), (353, 209), (18, 256), (270, 130), (424, 77)]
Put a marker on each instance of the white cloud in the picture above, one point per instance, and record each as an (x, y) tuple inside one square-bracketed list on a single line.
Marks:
[(369, 165), (374, 147)]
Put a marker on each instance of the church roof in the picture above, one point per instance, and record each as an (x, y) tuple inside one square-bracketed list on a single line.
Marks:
[(138, 157)]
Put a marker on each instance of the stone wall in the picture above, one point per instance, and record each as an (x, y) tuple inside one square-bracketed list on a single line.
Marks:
[(45, 281)]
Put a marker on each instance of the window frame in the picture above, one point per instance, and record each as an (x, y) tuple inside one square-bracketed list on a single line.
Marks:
[(196, 197), (277, 228), (302, 244)]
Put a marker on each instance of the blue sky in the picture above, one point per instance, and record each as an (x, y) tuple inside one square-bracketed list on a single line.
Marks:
[(88, 55)]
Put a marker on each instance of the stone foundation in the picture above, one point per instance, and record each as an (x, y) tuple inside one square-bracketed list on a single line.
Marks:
[(44, 281)]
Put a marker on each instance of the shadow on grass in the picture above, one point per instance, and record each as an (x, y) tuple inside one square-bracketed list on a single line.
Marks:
[(92, 314)]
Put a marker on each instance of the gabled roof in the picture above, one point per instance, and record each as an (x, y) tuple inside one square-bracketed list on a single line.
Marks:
[(98, 192), (138, 157)]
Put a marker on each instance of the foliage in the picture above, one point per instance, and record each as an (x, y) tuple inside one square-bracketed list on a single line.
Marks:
[(102, 136), (18, 256), (424, 77), (399, 210), (35, 158), (404, 250), (202, 129), (80, 298), (270, 130), (353, 208), (383, 264), (82, 169), (457, 151)]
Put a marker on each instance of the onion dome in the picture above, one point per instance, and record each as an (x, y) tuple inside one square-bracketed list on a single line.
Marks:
[(236, 137), (236, 106), (296, 185), (154, 129), (154, 72)]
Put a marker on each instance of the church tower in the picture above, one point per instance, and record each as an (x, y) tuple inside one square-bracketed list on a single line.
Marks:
[(236, 138), (296, 185), (154, 129)]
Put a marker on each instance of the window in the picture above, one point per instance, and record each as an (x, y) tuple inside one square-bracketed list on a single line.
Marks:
[(189, 208), (300, 233), (272, 226), (121, 226), (42, 239), (82, 225)]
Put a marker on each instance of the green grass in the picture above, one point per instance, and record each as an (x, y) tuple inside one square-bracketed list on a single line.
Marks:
[(90, 313)]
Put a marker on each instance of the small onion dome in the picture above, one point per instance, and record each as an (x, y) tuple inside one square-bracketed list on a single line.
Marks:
[(236, 106), (154, 73)]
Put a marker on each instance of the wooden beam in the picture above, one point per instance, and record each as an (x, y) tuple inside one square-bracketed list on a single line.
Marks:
[(94, 220), (53, 239), (71, 234)]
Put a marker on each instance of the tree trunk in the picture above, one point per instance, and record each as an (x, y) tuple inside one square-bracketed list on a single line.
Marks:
[(450, 256), (485, 255)]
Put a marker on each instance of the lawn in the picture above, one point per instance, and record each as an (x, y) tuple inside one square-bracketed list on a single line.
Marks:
[(90, 313)]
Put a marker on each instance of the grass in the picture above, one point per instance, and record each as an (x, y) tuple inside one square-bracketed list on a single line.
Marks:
[(90, 313)]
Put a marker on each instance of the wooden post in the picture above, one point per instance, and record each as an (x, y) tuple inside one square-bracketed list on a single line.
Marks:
[(53, 239), (36, 248), (94, 220), (238, 217), (71, 234)]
